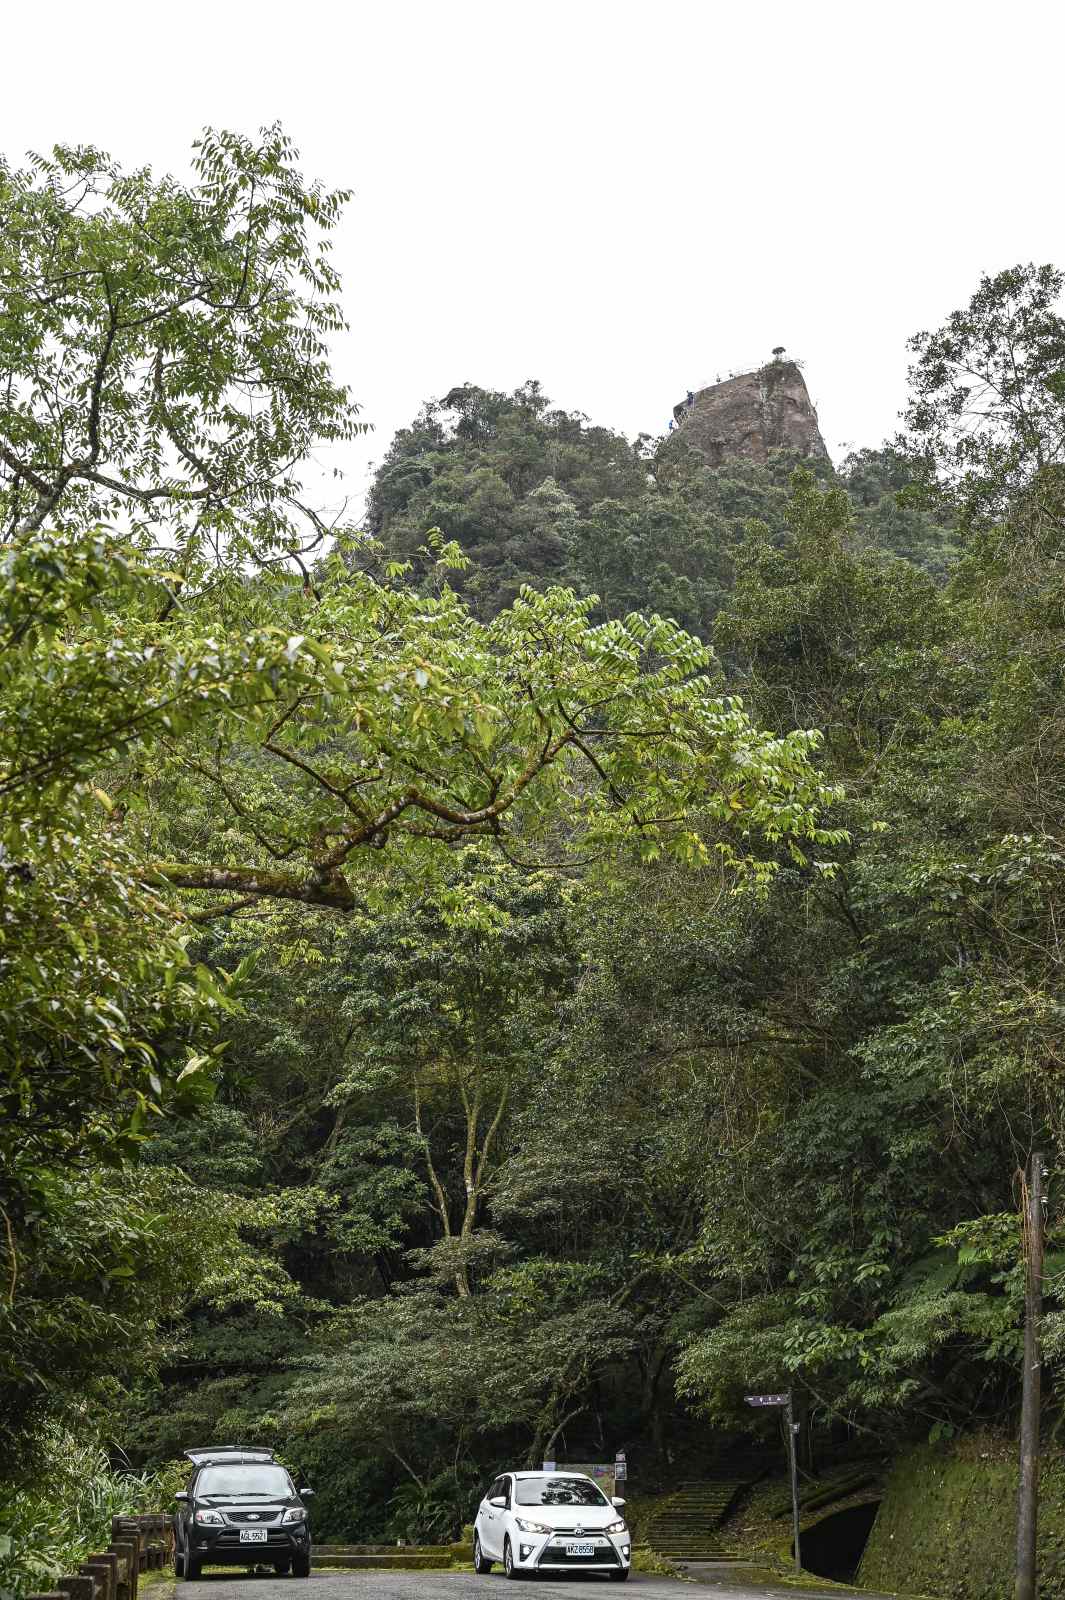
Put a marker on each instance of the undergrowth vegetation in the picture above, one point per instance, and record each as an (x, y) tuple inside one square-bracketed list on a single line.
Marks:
[(49, 1525)]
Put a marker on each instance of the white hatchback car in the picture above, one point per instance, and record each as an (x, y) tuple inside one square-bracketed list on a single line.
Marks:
[(550, 1522)]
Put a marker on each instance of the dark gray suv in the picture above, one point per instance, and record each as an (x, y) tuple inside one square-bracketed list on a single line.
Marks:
[(241, 1509)]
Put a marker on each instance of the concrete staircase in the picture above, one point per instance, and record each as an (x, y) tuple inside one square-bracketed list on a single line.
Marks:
[(685, 1527)]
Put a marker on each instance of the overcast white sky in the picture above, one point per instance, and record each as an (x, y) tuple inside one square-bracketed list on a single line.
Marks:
[(619, 199)]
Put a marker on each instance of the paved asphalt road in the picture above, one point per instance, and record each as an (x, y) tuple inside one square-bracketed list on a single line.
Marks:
[(327, 1584)]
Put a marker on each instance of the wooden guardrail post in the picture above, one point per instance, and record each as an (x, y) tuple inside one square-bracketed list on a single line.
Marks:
[(126, 1535), (158, 1530), (103, 1565), (128, 1528), (126, 1551), (77, 1586), (100, 1578)]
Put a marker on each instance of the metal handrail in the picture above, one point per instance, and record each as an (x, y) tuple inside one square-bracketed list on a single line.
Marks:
[(742, 372)]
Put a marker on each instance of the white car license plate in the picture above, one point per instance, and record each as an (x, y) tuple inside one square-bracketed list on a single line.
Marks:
[(253, 1535), (582, 1549)]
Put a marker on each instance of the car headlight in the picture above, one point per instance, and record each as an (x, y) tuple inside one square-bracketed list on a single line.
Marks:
[(213, 1517), (614, 1527), (295, 1514), (532, 1527)]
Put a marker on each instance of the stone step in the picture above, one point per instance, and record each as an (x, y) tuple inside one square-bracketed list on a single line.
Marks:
[(679, 1541), (696, 1491), (695, 1506), (689, 1538), (686, 1522), (687, 1544), (690, 1533), (691, 1544), (707, 1554), (717, 1558), (685, 1530), (672, 1514), (390, 1549), (696, 1500), (698, 1552), (694, 1511), (703, 1490), (402, 1560)]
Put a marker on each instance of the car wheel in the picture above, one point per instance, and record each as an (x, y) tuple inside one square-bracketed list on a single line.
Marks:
[(301, 1566), (481, 1562), (508, 1560), (620, 1575)]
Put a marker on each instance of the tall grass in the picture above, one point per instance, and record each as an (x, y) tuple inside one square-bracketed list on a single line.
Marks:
[(48, 1527)]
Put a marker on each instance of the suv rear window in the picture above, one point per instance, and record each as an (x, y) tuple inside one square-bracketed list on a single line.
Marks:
[(250, 1478)]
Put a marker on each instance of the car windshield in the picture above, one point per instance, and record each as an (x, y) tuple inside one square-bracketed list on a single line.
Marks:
[(558, 1492), (263, 1479)]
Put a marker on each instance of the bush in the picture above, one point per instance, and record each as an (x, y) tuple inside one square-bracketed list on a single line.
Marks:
[(434, 1512), (47, 1528)]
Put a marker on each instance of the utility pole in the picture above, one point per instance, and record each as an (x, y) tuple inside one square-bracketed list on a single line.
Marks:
[(793, 1428), (1028, 1491)]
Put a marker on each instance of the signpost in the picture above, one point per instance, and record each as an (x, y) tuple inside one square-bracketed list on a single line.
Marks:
[(792, 1427), (621, 1469)]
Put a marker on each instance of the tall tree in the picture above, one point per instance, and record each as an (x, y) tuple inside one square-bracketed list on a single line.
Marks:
[(986, 417), (163, 357)]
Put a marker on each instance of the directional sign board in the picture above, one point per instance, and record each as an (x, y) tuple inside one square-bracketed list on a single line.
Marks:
[(766, 1399)]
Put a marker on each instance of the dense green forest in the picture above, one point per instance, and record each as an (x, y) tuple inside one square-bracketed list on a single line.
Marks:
[(504, 979)]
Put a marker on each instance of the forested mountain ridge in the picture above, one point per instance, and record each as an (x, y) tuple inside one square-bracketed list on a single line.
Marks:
[(491, 1022), (536, 495)]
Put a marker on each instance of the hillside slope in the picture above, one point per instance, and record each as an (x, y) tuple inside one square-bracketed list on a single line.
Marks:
[(946, 1525)]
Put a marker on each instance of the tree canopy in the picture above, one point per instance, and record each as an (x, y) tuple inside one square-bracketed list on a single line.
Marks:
[(190, 707), (512, 978), (163, 348)]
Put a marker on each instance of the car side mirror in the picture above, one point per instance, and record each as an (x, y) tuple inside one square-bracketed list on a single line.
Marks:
[(181, 1495), (498, 1500), (307, 1494), (616, 1500)]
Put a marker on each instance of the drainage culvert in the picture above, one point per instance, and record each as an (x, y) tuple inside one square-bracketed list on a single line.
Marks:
[(833, 1547)]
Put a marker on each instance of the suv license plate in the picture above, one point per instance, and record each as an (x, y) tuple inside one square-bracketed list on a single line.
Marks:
[(253, 1535), (582, 1549)]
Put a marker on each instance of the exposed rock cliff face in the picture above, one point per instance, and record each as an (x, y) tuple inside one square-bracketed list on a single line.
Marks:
[(751, 414)]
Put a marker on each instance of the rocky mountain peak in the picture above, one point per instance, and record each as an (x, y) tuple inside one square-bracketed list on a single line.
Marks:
[(751, 413)]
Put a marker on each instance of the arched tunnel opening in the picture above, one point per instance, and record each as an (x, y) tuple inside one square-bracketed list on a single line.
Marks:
[(833, 1547)]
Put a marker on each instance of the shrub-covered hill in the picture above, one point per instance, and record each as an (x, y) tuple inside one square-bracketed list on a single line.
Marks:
[(538, 495)]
